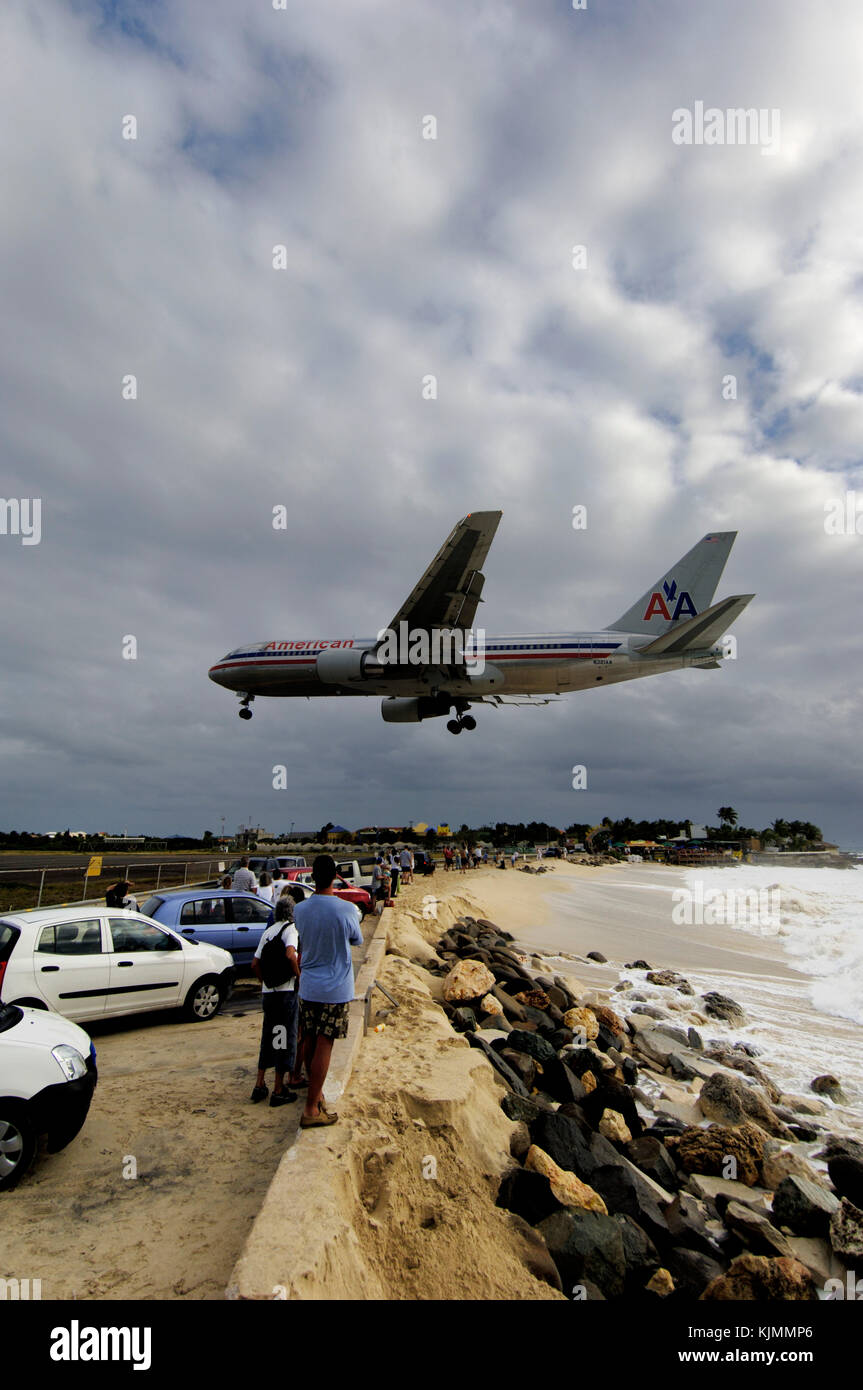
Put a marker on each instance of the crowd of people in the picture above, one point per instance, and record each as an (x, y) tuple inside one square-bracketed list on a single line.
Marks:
[(463, 857)]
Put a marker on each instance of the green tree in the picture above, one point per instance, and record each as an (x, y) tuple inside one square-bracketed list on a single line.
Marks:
[(727, 815)]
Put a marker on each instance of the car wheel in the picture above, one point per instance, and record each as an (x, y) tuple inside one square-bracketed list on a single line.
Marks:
[(17, 1144), (203, 1000), (31, 1004)]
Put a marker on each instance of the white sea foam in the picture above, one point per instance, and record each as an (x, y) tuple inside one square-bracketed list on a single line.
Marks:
[(820, 926)]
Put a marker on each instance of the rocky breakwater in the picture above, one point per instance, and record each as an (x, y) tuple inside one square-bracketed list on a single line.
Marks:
[(652, 1163)]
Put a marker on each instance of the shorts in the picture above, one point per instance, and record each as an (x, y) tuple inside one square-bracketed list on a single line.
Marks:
[(279, 1030), (323, 1020)]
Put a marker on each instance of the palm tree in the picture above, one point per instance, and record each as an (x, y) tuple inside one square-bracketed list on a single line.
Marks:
[(727, 815)]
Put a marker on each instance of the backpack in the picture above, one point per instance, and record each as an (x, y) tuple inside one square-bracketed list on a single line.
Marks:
[(275, 967)]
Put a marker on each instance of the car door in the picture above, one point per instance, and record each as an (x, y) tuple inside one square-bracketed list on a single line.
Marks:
[(205, 919), (72, 969), (146, 967), (249, 916)]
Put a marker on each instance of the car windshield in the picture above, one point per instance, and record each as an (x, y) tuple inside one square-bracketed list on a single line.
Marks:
[(151, 905)]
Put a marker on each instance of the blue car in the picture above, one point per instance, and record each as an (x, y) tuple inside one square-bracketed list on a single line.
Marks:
[(219, 916)]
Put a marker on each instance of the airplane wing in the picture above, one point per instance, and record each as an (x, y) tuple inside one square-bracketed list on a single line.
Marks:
[(450, 590), (701, 631)]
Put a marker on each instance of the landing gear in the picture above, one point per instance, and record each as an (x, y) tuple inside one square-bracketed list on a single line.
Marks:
[(462, 721), (245, 714), (468, 721), (454, 726), (244, 711)]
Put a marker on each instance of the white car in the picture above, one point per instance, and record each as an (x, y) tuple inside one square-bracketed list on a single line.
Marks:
[(47, 1079), (90, 962)]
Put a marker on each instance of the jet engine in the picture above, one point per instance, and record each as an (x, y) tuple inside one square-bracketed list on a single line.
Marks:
[(347, 666), (405, 710)]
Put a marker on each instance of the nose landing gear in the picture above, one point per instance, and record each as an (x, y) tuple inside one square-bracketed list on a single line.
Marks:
[(244, 711)]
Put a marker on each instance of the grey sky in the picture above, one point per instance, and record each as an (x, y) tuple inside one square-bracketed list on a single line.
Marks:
[(557, 386)]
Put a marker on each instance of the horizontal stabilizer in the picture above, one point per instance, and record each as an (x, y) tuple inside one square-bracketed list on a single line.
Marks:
[(700, 632)]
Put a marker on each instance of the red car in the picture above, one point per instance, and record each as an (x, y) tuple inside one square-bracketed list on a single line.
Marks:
[(342, 889)]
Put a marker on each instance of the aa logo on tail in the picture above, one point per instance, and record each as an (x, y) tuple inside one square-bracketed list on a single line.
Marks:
[(659, 603)]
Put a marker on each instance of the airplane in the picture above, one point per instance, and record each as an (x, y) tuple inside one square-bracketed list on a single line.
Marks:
[(674, 625)]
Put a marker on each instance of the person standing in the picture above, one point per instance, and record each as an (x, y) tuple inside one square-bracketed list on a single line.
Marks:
[(244, 880), (327, 927), (265, 888), (395, 872), (276, 965), (406, 861)]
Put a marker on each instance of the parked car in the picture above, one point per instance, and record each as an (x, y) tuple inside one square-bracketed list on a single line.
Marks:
[(350, 871), (423, 862), (47, 1079), (90, 962), (343, 889), (233, 920), (260, 862)]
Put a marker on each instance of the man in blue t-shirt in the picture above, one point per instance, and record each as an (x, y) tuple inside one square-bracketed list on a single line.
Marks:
[(327, 926)]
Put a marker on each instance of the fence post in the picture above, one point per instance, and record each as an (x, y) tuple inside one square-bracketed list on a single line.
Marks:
[(84, 889), (41, 886), (185, 872), (158, 876)]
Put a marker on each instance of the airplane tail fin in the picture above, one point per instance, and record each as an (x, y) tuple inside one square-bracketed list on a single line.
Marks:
[(700, 632), (683, 591)]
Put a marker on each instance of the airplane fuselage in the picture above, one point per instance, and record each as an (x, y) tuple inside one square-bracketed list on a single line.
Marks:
[(516, 664)]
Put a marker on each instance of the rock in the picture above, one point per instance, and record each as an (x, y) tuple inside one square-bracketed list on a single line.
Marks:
[(566, 1138), (660, 1283), (756, 1278), (588, 1081), (523, 1108), (613, 1126), (708, 1151), (597, 956), (512, 1009), (611, 1094), (829, 1085), (669, 978), (522, 1065), (607, 1018), (519, 1141), (804, 1206), (512, 1079), (803, 1105), (785, 1163), (846, 1175), (469, 979), (489, 1005), (686, 1218), (738, 1061), (637, 965), (720, 1006), (680, 1069), (639, 1252), (814, 1252), (626, 1190), (569, 1190), (561, 1038), (528, 1194), (651, 1156), (846, 1231), (586, 1246), (696, 1042), (534, 1252), (494, 1026), (559, 1082), (580, 1059), (629, 1067), (533, 999), (539, 1048), (729, 1101), (659, 1041), (692, 1270), (583, 1023), (712, 1188), (836, 1144), (755, 1230), (463, 1019)]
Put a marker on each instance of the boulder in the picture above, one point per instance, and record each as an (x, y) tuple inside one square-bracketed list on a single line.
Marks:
[(597, 956), (708, 1150), (686, 1218), (561, 1038), (651, 1156), (614, 1127), (533, 1252), (738, 1061), (521, 1108), (696, 1042), (504, 1071), (637, 965), (730, 1101), (463, 1019), (660, 1283), (804, 1206), (489, 1005), (711, 1189), (611, 1094), (511, 1008), (566, 1138), (836, 1144), (814, 1252), (537, 1047), (522, 1065), (720, 1006), (639, 1252), (803, 1105), (846, 1175), (586, 1246), (758, 1278), (784, 1163), (609, 1019), (533, 998), (560, 1083), (755, 1230), (569, 1190), (624, 1189), (583, 1023), (519, 1141), (692, 1270), (668, 978), (649, 1011), (829, 1085), (528, 1194), (846, 1231), (469, 979)]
